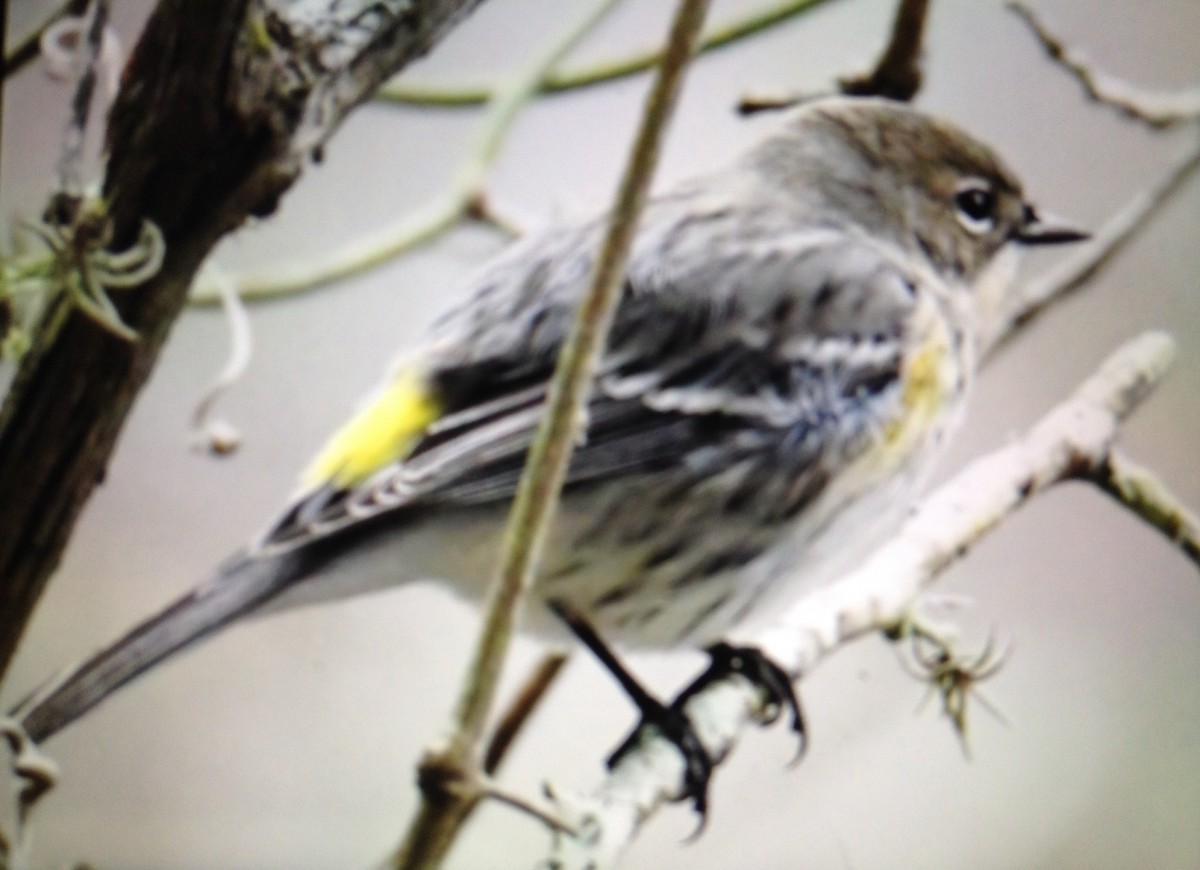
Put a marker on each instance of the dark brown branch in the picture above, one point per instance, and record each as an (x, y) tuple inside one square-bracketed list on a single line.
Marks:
[(520, 708), (220, 105), (897, 75)]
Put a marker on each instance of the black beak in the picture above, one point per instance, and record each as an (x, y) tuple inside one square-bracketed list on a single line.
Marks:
[(1039, 230)]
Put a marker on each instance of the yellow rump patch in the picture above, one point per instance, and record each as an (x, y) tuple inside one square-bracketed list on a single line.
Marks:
[(383, 432)]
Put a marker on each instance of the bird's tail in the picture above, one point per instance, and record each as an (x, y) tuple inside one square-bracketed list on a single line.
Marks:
[(240, 588)]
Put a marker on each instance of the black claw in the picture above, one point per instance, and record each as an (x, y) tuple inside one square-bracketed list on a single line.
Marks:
[(670, 721), (673, 724), (756, 667)]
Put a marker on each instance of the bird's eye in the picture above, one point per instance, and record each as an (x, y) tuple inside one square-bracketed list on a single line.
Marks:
[(976, 204)]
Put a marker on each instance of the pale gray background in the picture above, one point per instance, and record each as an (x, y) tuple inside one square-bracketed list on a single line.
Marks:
[(290, 742)]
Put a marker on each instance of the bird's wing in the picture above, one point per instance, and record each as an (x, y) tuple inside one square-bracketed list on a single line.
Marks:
[(732, 338)]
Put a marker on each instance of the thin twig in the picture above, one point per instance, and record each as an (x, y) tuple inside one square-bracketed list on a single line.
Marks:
[(1154, 108), (30, 46), (399, 91), (520, 708), (459, 200), (546, 465), (1143, 492), (545, 813), (1076, 268), (1071, 441), (508, 727)]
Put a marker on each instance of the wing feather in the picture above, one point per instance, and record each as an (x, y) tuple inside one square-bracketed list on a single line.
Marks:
[(734, 336)]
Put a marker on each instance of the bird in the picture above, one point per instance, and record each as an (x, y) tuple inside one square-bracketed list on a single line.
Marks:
[(796, 341)]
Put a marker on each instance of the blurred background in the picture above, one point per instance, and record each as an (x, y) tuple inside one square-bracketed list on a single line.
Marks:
[(290, 741)]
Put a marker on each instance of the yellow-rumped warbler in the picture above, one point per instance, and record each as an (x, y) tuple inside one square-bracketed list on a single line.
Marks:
[(794, 343)]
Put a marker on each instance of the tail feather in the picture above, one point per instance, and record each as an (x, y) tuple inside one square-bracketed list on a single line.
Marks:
[(240, 588)]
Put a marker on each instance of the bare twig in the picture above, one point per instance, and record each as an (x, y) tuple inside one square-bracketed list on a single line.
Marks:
[(606, 71), (897, 75), (459, 200), (28, 48), (1070, 273), (1154, 108), (1141, 491), (1072, 441), (546, 465), (520, 708), (511, 721)]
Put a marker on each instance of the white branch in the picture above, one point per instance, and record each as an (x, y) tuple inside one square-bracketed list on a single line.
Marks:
[(1073, 440)]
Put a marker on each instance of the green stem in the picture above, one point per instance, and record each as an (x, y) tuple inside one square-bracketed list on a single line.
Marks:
[(436, 216), (415, 93), (545, 468)]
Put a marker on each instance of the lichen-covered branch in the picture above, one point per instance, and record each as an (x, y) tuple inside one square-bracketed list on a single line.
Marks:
[(220, 106), (1073, 441), (1141, 491)]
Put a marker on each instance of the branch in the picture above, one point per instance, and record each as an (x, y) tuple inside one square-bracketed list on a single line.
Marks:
[(1156, 109), (29, 47), (895, 76), (605, 71), (1083, 263), (466, 190), (521, 707), (461, 198), (221, 105), (1142, 492), (1073, 441), (430, 834)]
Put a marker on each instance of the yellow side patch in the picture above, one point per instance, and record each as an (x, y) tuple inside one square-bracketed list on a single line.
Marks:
[(381, 433), (923, 395)]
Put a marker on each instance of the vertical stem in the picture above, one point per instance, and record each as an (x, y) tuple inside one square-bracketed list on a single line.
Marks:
[(546, 467), (541, 482)]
